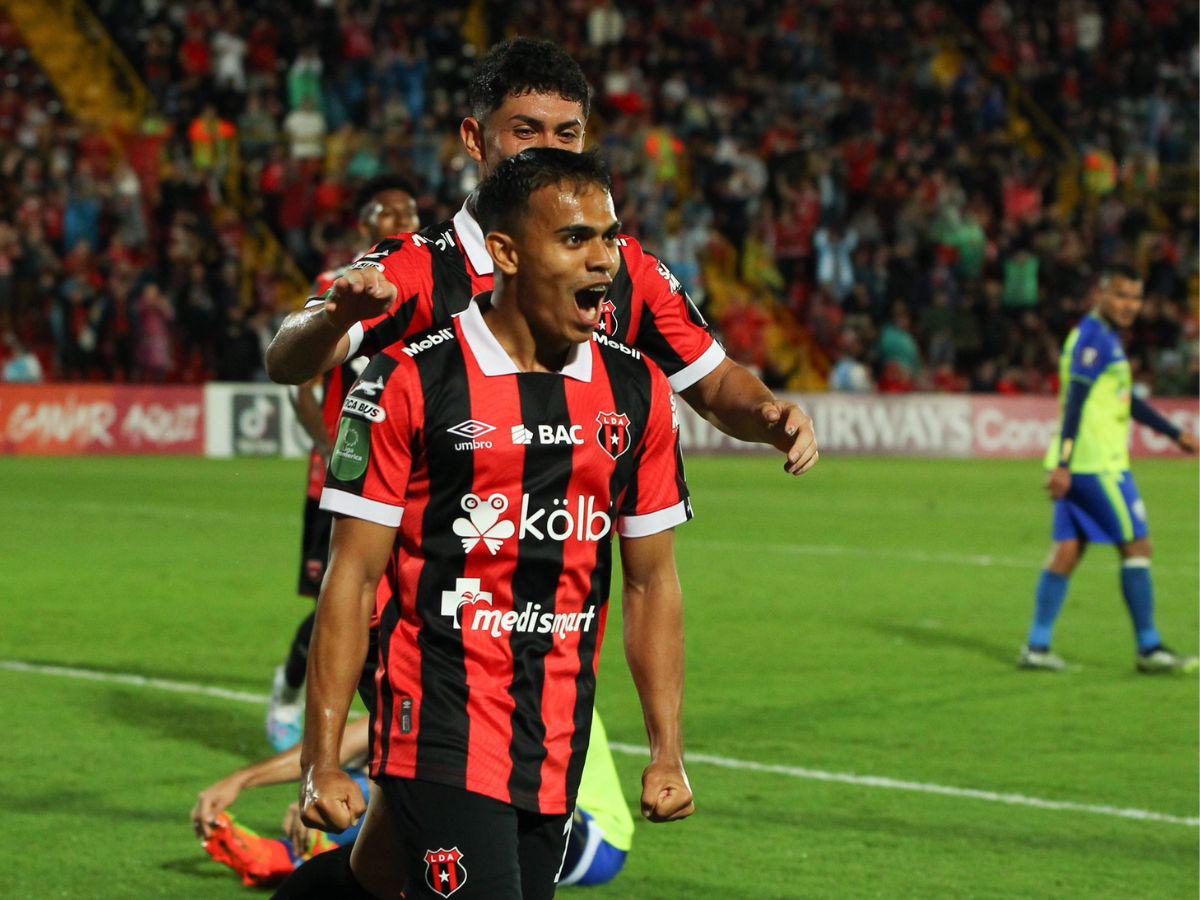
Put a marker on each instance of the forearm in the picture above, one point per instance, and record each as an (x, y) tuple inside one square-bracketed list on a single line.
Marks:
[(731, 398), (305, 346), (1077, 393), (308, 411), (1147, 415), (335, 662), (653, 616)]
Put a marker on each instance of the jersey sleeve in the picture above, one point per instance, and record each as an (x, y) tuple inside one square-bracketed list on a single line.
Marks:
[(671, 331), (1092, 353), (406, 265), (656, 497), (378, 434)]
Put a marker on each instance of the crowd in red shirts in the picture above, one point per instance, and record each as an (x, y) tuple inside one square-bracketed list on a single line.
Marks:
[(852, 189)]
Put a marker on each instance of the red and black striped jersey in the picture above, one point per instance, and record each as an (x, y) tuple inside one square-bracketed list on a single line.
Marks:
[(506, 488), (335, 385), (438, 270)]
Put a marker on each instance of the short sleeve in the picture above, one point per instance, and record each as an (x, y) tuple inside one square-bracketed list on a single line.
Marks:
[(406, 265), (377, 437), (656, 497), (672, 332), (1092, 353)]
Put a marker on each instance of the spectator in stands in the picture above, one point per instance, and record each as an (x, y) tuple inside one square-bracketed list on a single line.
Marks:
[(22, 366)]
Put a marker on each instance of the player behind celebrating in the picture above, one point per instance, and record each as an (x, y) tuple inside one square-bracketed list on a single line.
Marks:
[(480, 471), (531, 93), (384, 205), (1095, 497)]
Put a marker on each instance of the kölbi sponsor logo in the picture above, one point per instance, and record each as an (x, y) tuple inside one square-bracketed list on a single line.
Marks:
[(468, 595), (472, 429), (483, 524)]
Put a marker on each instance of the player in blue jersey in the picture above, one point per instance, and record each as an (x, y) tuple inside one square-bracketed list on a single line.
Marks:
[(1095, 497)]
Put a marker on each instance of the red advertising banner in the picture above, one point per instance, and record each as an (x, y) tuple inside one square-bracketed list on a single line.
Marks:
[(69, 419), (1021, 427)]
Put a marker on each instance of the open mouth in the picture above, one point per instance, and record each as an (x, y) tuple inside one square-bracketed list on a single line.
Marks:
[(588, 299)]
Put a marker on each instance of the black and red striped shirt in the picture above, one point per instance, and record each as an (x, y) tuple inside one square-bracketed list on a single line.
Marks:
[(505, 487), (438, 271)]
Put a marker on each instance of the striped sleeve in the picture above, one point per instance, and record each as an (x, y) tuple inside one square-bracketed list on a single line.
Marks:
[(656, 497), (671, 331), (377, 435), (406, 265)]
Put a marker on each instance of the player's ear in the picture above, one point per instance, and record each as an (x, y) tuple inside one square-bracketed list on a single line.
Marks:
[(503, 251), (471, 132)]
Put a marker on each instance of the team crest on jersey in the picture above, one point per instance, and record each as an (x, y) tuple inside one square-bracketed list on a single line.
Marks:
[(613, 433), (608, 317), (444, 871)]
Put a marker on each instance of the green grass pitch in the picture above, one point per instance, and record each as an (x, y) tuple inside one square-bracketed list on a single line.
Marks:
[(863, 619)]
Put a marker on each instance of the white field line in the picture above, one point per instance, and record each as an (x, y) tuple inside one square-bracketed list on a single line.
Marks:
[(724, 762), (981, 560)]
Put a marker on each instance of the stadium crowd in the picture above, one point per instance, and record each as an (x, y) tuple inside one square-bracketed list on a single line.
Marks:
[(847, 187)]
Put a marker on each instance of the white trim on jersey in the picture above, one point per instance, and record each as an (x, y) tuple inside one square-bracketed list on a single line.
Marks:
[(355, 336), (335, 501), (470, 236), (494, 360), (689, 375), (652, 523), (314, 301)]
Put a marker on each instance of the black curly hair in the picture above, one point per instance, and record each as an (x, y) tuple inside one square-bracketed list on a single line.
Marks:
[(524, 65), (503, 199)]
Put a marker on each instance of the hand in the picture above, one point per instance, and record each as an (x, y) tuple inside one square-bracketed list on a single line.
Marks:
[(1058, 482), (359, 294), (1186, 442), (666, 794), (295, 830), (329, 799), (211, 803), (791, 433)]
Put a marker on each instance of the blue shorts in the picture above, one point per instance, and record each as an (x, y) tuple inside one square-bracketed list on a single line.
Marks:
[(1101, 509)]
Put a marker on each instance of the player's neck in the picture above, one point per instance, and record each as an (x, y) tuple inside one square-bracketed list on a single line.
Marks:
[(528, 351)]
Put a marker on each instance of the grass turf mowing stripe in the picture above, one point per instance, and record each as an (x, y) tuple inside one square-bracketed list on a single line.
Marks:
[(872, 781)]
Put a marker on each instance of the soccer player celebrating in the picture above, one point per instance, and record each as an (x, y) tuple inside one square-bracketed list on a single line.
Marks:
[(479, 472), (384, 205), (1095, 497), (531, 93)]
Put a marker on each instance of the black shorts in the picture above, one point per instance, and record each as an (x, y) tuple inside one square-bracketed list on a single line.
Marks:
[(467, 846), (314, 547)]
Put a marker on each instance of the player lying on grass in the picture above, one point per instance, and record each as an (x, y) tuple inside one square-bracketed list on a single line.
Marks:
[(483, 554), (1095, 497), (531, 93), (601, 830)]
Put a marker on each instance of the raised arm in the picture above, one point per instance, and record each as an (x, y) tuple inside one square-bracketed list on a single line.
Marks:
[(313, 340), (652, 605)]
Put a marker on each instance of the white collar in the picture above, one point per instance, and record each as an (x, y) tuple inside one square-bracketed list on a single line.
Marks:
[(470, 236), (494, 360)]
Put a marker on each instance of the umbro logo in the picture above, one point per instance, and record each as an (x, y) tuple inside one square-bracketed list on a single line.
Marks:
[(472, 430)]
